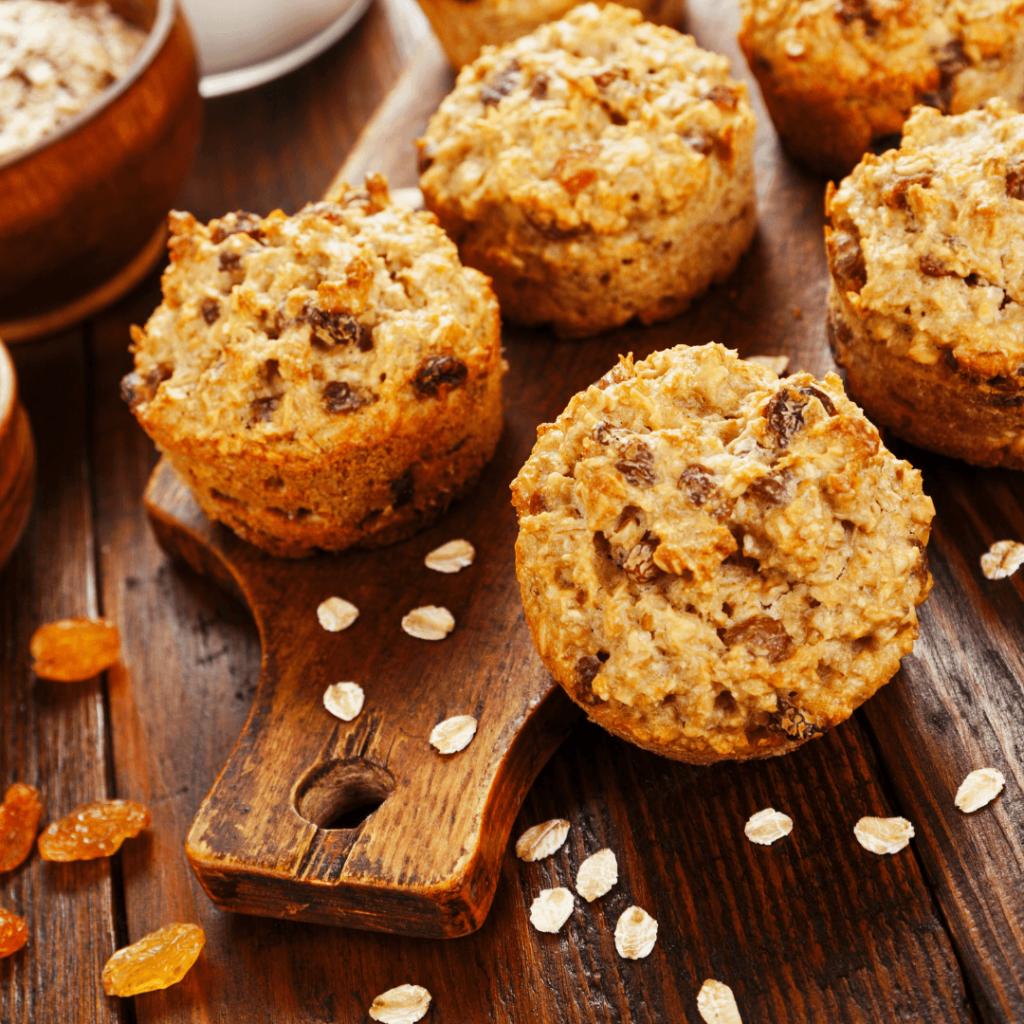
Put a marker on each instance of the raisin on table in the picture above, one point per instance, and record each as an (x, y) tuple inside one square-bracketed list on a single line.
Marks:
[(19, 821), (13, 933), (71, 650), (159, 960), (93, 830)]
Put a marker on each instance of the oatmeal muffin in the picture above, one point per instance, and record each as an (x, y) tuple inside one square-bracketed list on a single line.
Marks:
[(837, 75), (926, 305), (464, 26), (321, 380), (599, 169), (717, 563)]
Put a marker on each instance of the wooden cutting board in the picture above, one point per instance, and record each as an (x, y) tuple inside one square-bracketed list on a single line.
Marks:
[(813, 930)]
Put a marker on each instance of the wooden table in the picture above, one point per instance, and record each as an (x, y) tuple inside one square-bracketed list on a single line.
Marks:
[(813, 929)]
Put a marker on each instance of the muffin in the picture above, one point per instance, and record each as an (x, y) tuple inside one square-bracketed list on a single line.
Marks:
[(717, 563), (464, 26), (322, 380), (925, 304), (599, 169), (838, 77)]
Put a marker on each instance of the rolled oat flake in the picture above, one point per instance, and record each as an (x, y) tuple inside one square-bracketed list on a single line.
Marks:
[(597, 874), (883, 835), (336, 614), (981, 787), (344, 700), (551, 909), (635, 934), (768, 825), (431, 622), (453, 734), (451, 557), (542, 840), (716, 1004), (405, 1004), (1003, 559)]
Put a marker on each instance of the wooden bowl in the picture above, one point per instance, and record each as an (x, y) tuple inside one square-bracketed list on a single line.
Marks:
[(17, 460), (83, 211)]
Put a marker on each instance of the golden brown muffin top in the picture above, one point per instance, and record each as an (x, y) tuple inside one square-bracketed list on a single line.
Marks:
[(299, 333), (927, 241), (597, 121), (726, 561), (924, 43)]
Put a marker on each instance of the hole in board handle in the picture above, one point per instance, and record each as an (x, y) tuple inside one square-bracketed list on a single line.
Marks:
[(342, 794)]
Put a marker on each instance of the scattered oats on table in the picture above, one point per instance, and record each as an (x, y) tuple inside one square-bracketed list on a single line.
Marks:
[(453, 734), (883, 835), (981, 787), (551, 909), (451, 557), (336, 614), (344, 700), (597, 874), (716, 1004), (635, 934), (1003, 559), (768, 825), (405, 1004), (542, 840), (431, 622)]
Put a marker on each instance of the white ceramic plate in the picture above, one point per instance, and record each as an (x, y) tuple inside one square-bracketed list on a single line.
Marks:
[(244, 43)]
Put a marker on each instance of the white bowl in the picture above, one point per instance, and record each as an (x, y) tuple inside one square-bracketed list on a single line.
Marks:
[(243, 43)]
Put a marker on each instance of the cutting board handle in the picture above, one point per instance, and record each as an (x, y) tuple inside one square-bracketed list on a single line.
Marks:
[(364, 824)]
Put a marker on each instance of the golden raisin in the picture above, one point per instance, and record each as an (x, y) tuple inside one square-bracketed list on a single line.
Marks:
[(159, 960), (93, 830), (13, 933), (19, 820), (74, 649)]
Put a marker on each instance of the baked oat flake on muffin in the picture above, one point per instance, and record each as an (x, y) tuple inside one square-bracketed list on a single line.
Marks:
[(465, 26), (841, 75), (321, 380), (926, 305), (598, 170), (716, 563)]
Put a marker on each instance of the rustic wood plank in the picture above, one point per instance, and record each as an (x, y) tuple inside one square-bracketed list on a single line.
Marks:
[(814, 929), (280, 145), (54, 735), (386, 146), (256, 844), (959, 705)]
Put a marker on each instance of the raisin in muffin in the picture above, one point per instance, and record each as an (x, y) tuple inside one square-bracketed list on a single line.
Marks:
[(321, 380), (599, 169), (464, 26), (840, 75), (716, 563), (926, 305)]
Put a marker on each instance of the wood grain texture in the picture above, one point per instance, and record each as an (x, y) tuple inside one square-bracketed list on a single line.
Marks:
[(811, 930), (54, 735), (427, 861), (959, 705)]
